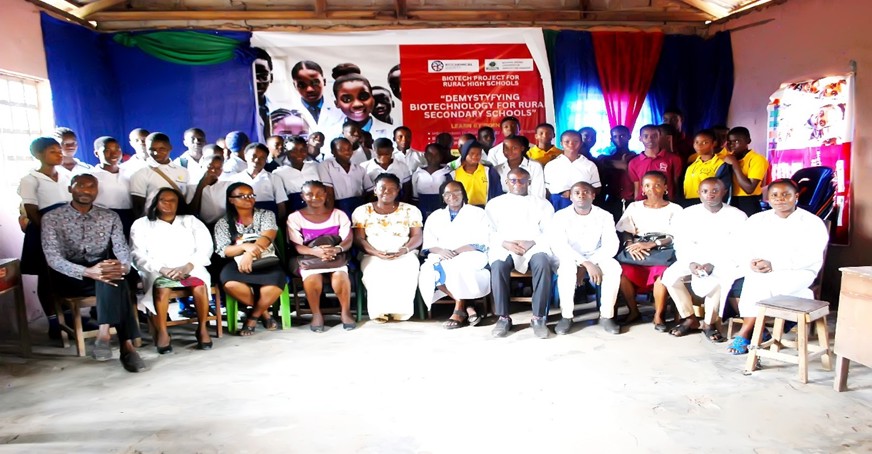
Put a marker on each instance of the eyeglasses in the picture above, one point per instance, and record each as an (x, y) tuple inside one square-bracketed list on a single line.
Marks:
[(244, 196), (313, 83), (447, 194), (518, 180)]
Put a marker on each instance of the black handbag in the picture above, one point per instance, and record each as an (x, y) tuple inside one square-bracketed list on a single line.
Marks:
[(658, 256), (311, 262)]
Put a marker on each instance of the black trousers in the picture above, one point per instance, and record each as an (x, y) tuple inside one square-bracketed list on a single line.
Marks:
[(540, 268), (114, 306)]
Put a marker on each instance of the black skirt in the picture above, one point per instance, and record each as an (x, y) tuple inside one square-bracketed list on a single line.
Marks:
[(270, 276)]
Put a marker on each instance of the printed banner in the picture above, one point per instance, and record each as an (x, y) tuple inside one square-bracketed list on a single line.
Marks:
[(451, 81), (811, 124), (458, 88)]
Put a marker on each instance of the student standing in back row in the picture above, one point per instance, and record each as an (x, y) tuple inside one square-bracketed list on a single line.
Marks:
[(749, 169), (654, 159), (160, 172)]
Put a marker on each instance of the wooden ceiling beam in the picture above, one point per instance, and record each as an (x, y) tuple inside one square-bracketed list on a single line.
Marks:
[(494, 15), (716, 12), (401, 8), (321, 8), (55, 11), (94, 7)]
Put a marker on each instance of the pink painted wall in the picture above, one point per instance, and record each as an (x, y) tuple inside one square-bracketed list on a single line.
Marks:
[(21, 52), (807, 39), (21, 48)]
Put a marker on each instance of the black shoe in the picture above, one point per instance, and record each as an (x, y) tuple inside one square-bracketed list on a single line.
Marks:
[(563, 326), (502, 327), (166, 349), (540, 330), (202, 345), (132, 362), (610, 325), (349, 326)]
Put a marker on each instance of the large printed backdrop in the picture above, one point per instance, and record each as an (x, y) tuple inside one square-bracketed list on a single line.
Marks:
[(811, 124), (443, 86)]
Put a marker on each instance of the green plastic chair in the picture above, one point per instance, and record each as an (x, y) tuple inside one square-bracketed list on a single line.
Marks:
[(284, 301)]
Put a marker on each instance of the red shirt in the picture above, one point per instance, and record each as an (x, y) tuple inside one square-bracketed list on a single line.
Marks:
[(668, 163)]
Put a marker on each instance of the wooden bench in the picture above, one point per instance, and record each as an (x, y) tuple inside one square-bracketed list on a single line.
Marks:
[(802, 311)]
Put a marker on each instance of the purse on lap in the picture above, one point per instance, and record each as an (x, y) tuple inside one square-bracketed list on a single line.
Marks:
[(311, 262), (267, 259), (658, 256)]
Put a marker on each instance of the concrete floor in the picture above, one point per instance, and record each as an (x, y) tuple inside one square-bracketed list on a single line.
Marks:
[(413, 387)]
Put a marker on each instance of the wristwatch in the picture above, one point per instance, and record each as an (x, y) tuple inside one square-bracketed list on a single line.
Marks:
[(658, 243)]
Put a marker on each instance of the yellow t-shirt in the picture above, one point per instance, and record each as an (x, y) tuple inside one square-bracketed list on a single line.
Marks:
[(754, 166), (476, 184), (697, 172), (541, 156)]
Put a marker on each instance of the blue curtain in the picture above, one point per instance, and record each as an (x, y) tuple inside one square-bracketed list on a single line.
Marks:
[(100, 87), (574, 76), (694, 75)]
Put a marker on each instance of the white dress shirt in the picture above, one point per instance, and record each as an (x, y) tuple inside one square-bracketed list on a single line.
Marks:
[(577, 238), (561, 173), (38, 189), (293, 179), (267, 187), (518, 218)]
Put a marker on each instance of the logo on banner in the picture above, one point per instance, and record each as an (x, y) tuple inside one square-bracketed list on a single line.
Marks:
[(452, 66), (512, 64)]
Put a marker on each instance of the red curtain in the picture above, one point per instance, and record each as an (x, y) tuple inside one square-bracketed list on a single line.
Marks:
[(626, 62)]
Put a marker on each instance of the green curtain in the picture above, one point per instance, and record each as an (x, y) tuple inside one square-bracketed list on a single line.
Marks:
[(550, 43), (182, 47)]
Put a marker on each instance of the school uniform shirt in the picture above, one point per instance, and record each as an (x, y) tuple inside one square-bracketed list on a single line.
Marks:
[(79, 168), (543, 156), (358, 156), (233, 165), (398, 168), (517, 217), (754, 166), (146, 182), (495, 155), (475, 183), (537, 176), (345, 184), (412, 158), (668, 163), (213, 202), (424, 182), (698, 171), (36, 188), (318, 159), (267, 187), (561, 173), (196, 169), (293, 179), (113, 190), (133, 165)]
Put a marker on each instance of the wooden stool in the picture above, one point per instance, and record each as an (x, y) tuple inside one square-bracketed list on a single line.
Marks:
[(75, 303), (802, 311)]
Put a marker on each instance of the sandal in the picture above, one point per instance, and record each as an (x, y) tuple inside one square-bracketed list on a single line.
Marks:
[(454, 324), (713, 335), (683, 330), (739, 346), (474, 318), (270, 324), (661, 327), (246, 330)]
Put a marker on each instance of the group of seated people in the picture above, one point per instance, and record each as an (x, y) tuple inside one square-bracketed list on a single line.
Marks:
[(414, 223)]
